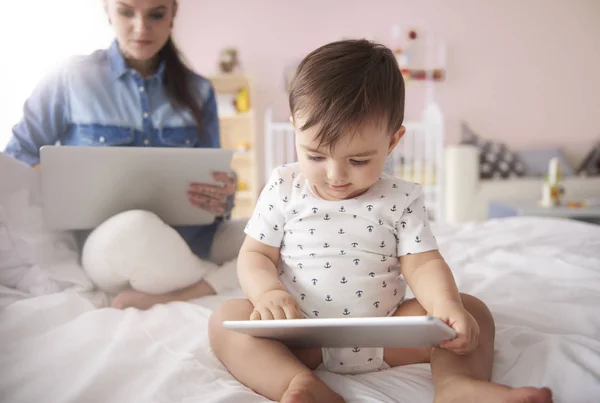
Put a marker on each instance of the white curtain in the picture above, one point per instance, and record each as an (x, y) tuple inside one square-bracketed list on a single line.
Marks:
[(35, 37)]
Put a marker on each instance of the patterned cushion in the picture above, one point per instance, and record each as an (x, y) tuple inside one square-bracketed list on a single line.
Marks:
[(496, 161), (591, 164)]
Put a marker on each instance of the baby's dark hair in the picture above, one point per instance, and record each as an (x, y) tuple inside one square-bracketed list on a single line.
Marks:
[(344, 85)]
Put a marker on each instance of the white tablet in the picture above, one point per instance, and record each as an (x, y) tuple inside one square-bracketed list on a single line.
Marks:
[(394, 332), (84, 186)]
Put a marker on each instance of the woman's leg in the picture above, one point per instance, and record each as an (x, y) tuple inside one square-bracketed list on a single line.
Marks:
[(131, 298), (224, 252), (227, 241), (464, 378), (226, 244)]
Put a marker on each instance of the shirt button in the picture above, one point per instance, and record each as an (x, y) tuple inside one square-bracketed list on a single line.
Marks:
[(146, 142), (146, 115), (187, 142), (142, 89), (101, 139)]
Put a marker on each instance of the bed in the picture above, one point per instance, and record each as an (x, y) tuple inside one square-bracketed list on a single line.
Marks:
[(540, 277)]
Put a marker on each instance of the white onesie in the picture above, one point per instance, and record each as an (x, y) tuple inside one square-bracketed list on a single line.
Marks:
[(340, 258)]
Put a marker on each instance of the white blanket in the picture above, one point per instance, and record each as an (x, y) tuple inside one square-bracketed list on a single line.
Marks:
[(540, 277), (33, 259)]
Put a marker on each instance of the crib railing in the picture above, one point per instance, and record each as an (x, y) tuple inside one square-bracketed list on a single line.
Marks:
[(279, 143), (418, 158)]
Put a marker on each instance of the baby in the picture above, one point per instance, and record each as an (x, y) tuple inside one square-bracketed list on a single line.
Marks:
[(334, 236)]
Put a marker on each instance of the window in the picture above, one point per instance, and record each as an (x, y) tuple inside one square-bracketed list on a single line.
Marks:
[(36, 36)]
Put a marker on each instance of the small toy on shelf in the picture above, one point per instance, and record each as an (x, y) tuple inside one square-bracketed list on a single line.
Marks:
[(242, 147), (242, 100), (229, 61), (242, 186), (552, 191)]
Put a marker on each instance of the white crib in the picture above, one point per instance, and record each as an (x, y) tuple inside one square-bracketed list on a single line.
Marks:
[(417, 158), (279, 143)]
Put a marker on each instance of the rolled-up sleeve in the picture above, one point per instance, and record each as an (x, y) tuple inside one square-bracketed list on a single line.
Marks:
[(44, 120)]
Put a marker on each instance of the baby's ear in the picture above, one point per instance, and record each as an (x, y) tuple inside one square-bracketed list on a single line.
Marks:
[(396, 138)]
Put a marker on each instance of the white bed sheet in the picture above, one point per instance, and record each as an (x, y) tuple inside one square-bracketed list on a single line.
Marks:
[(540, 277)]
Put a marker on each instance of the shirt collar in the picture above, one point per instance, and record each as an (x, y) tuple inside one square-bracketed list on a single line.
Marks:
[(117, 61), (119, 66)]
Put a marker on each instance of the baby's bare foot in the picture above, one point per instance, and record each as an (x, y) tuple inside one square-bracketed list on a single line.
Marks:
[(308, 388), (136, 299), (465, 390)]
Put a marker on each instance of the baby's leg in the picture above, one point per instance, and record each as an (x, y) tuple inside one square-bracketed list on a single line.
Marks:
[(464, 378), (266, 366)]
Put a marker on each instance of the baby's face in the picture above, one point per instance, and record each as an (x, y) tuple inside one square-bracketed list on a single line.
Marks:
[(351, 167)]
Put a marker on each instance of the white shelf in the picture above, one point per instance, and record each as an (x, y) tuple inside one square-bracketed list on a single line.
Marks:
[(242, 155), (238, 116), (238, 129), (244, 195)]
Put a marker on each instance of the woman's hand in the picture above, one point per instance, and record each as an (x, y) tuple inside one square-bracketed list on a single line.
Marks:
[(213, 198)]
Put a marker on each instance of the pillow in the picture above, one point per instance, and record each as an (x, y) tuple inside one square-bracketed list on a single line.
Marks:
[(536, 161), (137, 249), (496, 161), (591, 163)]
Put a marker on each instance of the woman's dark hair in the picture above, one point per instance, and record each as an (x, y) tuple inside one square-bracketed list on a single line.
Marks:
[(178, 83)]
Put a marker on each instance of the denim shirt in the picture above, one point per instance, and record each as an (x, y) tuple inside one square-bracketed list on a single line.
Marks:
[(96, 100)]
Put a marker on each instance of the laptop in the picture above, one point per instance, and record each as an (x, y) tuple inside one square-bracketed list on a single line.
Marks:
[(84, 186), (392, 332)]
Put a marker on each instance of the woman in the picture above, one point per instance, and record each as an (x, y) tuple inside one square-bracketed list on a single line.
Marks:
[(138, 93)]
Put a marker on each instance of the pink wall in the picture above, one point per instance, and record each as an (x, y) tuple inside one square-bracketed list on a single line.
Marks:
[(525, 72)]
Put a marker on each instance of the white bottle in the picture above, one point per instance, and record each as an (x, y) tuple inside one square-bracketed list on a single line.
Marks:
[(433, 118), (398, 47)]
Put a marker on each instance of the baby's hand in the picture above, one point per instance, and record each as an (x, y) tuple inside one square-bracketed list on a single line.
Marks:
[(276, 304), (465, 326)]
